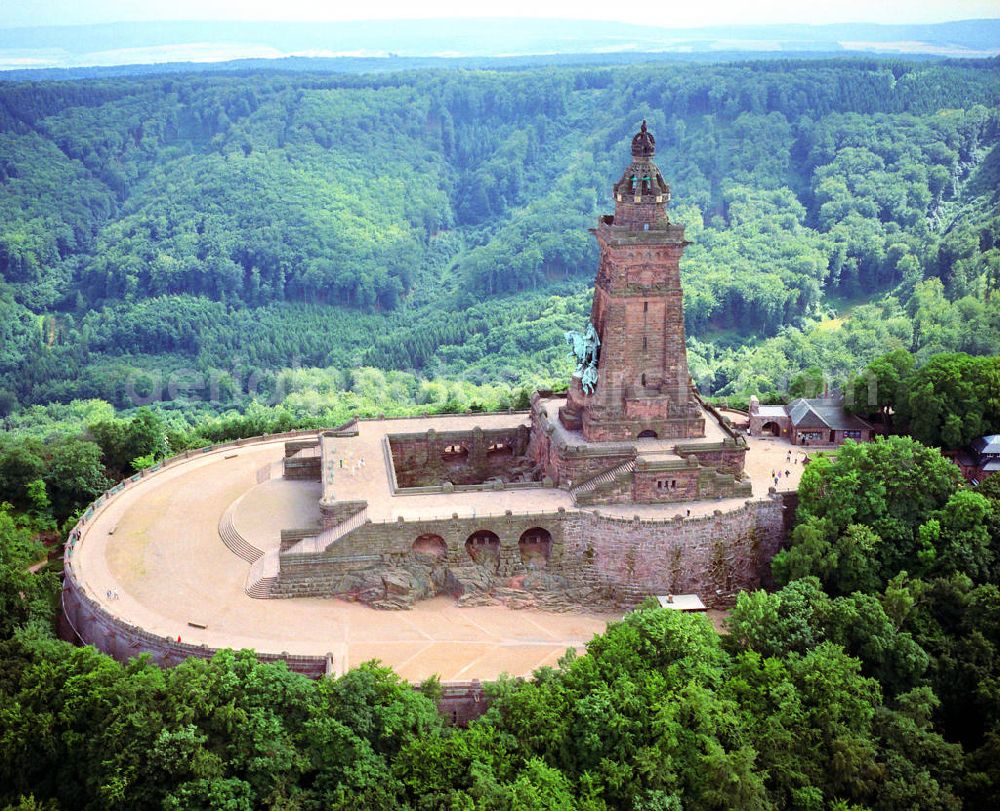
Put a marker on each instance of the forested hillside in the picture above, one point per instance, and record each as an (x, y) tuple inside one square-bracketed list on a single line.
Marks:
[(435, 222)]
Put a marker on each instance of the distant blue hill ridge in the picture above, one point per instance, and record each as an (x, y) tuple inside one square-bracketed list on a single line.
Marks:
[(273, 44)]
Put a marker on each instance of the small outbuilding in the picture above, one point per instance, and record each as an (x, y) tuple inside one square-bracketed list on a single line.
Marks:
[(813, 422)]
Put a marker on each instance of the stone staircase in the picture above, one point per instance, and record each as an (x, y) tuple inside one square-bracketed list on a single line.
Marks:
[(319, 543), (602, 478), (263, 575), (231, 537), (264, 566)]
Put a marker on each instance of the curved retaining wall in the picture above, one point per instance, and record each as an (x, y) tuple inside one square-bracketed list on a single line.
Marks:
[(93, 624), (460, 702)]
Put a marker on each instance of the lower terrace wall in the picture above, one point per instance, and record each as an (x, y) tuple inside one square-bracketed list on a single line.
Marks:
[(357, 564), (593, 559), (714, 556), (88, 622), (93, 625)]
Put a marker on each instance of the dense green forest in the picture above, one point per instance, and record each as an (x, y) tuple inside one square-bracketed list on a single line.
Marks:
[(435, 221), (869, 681)]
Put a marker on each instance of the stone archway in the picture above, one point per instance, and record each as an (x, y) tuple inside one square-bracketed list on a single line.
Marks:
[(771, 429), (455, 453), (430, 548), (535, 546), (647, 434), (483, 547)]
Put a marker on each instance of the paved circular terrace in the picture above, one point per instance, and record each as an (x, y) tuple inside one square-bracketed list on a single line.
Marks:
[(156, 547)]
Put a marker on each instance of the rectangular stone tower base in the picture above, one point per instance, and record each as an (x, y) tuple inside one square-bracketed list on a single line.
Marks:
[(645, 413), (620, 430)]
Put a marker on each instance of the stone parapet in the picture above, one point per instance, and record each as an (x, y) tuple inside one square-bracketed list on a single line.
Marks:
[(728, 456), (295, 446), (93, 625)]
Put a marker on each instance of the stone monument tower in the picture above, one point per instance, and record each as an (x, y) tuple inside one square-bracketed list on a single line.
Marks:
[(642, 386)]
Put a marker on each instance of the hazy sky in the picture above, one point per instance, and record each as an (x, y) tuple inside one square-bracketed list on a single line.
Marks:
[(679, 13)]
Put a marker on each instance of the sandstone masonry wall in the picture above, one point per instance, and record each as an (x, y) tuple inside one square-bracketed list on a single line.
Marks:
[(714, 556), (383, 546), (623, 560), (461, 457), (95, 626), (92, 624), (729, 459)]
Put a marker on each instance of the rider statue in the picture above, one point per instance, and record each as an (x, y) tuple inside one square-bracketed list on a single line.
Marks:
[(585, 350)]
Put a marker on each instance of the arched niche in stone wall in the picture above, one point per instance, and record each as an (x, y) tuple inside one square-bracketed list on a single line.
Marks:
[(454, 453), (430, 547), (483, 547), (535, 546)]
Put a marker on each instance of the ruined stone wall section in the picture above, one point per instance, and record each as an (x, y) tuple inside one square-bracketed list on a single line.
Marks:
[(540, 446), (621, 559), (460, 457)]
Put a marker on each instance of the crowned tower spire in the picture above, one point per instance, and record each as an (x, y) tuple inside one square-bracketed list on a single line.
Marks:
[(641, 196)]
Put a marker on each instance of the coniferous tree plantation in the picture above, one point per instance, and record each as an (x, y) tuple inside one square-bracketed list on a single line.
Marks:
[(188, 258)]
